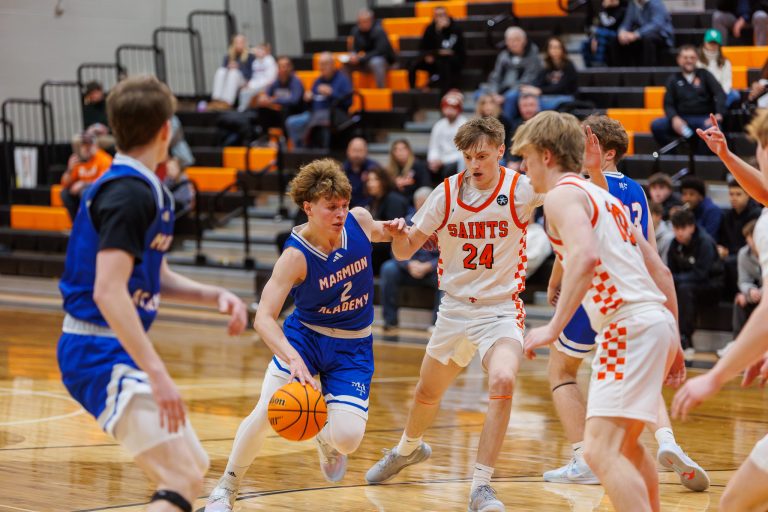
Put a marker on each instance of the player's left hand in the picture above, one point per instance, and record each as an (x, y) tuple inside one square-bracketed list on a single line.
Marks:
[(538, 337), (592, 156), (396, 227), (676, 375), (695, 391), (230, 304)]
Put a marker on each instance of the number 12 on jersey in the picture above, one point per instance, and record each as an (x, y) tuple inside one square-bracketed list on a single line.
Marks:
[(486, 256)]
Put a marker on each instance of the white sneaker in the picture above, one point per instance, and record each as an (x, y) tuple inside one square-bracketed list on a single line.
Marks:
[(721, 351), (575, 472), (689, 353), (392, 463), (692, 476), (333, 464), (222, 498), (483, 499)]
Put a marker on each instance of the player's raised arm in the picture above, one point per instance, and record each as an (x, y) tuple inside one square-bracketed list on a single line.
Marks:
[(593, 159)]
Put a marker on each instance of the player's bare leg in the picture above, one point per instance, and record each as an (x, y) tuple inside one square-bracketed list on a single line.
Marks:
[(747, 491), (671, 455), (643, 461)]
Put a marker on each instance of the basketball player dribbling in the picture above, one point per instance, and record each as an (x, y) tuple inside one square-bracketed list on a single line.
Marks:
[(326, 267), (114, 274), (480, 217), (621, 282), (577, 340), (748, 488)]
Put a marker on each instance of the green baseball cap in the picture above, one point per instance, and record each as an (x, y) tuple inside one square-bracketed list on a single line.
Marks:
[(713, 35)]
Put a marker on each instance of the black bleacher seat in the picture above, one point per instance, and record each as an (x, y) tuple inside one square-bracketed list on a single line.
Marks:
[(639, 167), (625, 77), (613, 97)]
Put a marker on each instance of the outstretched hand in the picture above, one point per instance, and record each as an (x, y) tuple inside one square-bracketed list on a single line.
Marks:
[(592, 154), (536, 338), (714, 138), (693, 393), (396, 227), (230, 304)]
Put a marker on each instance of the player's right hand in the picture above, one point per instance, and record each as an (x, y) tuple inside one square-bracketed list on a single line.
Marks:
[(300, 372), (757, 369), (396, 227), (714, 138), (168, 399), (676, 375), (693, 393)]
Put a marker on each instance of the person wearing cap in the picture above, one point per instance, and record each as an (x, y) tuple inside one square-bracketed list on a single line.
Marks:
[(94, 104), (662, 192), (86, 164), (443, 159), (732, 16), (712, 59), (692, 94), (708, 214)]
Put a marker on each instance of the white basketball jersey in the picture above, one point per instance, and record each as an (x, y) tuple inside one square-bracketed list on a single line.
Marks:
[(482, 247), (621, 279)]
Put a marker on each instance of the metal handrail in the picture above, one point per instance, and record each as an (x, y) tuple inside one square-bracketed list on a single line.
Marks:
[(672, 146), (6, 178), (156, 55), (196, 53)]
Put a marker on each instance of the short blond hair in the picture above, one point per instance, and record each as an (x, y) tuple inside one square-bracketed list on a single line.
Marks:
[(560, 133), (610, 133), (472, 133), (320, 179), (757, 129)]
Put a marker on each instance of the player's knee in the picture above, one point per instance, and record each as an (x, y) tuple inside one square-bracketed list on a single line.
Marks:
[(349, 441), (346, 431), (426, 395), (501, 381), (729, 502)]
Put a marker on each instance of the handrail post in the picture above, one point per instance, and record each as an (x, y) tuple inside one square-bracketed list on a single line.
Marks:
[(248, 261)]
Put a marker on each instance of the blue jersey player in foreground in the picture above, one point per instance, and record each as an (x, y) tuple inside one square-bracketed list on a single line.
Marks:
[(326, 267), (115, 272), (607, 146)]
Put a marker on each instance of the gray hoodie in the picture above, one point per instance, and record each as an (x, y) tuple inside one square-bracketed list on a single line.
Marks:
[(511, 71)]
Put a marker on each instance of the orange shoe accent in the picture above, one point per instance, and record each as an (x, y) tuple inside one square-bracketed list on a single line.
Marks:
[(501, 397)]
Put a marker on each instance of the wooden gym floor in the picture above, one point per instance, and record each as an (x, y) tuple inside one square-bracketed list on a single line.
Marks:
[(54, 457)]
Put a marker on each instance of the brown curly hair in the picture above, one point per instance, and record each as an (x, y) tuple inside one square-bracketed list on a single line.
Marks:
[(318, 179)]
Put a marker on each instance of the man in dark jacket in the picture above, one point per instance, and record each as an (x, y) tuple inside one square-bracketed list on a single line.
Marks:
[(730, 238), (708, 215), (644, 34), (696, 270), (370, 49), (731, 16), (356, 167), (692, 94), (441, 53)]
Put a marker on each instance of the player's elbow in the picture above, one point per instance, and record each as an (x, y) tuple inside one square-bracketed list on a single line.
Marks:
[(586, 260)]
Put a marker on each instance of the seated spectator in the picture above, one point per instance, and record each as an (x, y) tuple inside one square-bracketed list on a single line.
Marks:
[(409, 172), (730, 238), (370, 49), (487, 107), (443, 159), (596, 48), (332, 89), (527, 107), (86, 164), (696, 272), (712, 59), (177, 182), (441, 53), (357, 166), (750, 281), (708, 215), (420, 270), (94, 105), (263, 73), (692, 94), (645, 32), (662, 192), (284, 97), (517, 64), (558, 81), (662, 229), (759, 88), (384, 203), (233, 74), (731, 16)]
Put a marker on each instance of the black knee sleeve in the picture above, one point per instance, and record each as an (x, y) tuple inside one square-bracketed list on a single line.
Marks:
[(173, 498)]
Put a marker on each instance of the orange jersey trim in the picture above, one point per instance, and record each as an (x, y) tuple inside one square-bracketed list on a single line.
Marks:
[(447, 185), (512, 207), (595, 211), (488, 201)]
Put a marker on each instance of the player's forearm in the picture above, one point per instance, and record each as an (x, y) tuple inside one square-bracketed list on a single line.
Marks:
[(274, 337), (177, 286), (556, 277), (750, 346), (403, 248), (577, 279), (751, 179)]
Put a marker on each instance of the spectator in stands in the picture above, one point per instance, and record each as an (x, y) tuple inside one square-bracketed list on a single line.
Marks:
[(517, 64), (487, 107), (384, 203), (558, 81), (370, 49), (731, 16), (94, 105), (263, 73), (696, 271), (750, 281), (86, 164), (178, 148), (662, 192), (527, 107), (443, 159), (759, 88), (441, 53), (730, 238), (662, 229), (233, 74), (712, 59), (409, 172), (177, 182), (357, 166), (332, 89), (708, 215), (596, 48), (692, 94), (284, 97), (645, 32), (420, 270)]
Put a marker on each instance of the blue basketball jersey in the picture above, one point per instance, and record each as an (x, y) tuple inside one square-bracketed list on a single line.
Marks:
[(632, 195), (338, 289), (77, 283)]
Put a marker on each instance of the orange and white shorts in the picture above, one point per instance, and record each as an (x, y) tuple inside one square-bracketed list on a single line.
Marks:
[(633, 355), (464, 328)]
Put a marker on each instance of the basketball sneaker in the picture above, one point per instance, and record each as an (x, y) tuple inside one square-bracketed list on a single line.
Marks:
[(575, 472), (692, 476), (333, 464), (222, 498), (483, 499), (392, 463)]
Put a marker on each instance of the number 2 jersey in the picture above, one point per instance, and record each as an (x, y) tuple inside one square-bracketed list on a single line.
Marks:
[(481, 235), (337, 292), (621, 279), (631, 194)]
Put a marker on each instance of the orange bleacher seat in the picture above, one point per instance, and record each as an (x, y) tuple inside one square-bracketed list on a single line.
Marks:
[(455, 9), (56, 196), (397, 80), (405, 27), (654, 97), (631, 145), (336, 60), (749, 56), (258, 158), (533, 8), (375, 99), (740, 77), (43, 218), (307, 78), (211, 179), (635, 119)]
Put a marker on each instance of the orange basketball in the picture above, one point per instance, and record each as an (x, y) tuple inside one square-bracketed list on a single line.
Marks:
[(297, 412)]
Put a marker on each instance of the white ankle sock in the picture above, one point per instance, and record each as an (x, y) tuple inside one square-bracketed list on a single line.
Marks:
[(578, 449), (233, 475), (665, 435), (408, 444), (481, 476)]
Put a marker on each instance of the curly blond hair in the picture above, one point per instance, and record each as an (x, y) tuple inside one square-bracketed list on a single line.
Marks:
[(318, 179)]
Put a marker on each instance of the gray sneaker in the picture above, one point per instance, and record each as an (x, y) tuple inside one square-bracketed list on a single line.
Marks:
[(222, 498), (575, 472), (392, 463), (692, 476), (483, 499), (333, 464)]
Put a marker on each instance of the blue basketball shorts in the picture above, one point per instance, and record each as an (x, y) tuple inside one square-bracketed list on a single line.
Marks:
[(577, 339)]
